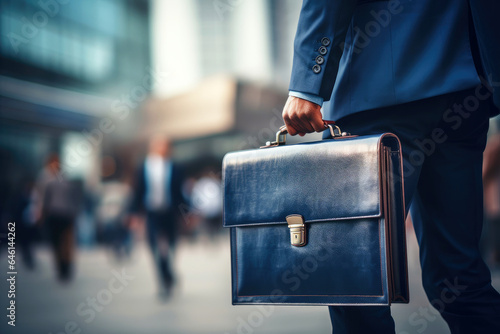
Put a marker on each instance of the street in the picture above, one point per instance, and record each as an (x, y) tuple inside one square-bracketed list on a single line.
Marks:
[(121, 297)]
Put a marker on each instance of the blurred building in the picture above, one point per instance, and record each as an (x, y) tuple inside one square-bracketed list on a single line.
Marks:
[(220, 114), (251, 40), (97, 77), (229, 65), (70, 71)]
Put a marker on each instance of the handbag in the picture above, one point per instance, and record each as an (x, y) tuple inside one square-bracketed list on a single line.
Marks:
[(317, 223)]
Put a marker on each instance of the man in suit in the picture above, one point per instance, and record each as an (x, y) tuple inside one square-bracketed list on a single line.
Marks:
[(425, 70), (158, 194)]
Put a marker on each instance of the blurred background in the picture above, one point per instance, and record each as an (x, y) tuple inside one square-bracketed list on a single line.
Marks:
[(84, 88)]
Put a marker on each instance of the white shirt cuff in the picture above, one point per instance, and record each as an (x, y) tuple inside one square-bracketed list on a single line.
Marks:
[(306, 96)]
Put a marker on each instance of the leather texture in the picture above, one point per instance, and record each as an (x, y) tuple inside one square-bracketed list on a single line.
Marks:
[(349, 192), (266, 183)]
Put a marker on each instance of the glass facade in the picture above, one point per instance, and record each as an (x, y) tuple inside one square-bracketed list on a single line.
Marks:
[(92, 45), (215, 39), (62, 64)]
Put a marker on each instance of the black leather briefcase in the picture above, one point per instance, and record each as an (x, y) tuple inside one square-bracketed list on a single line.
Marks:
[(318, 223)]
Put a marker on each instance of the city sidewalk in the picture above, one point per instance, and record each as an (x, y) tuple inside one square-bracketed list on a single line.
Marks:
[(110, 297)]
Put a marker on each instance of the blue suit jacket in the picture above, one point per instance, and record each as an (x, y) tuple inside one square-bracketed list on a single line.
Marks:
[(374, 54), (174, 191)]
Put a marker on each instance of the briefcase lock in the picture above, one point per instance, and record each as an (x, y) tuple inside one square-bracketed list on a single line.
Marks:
[(297, 230)]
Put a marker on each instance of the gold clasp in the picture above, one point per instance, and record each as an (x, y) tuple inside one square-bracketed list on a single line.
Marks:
[(297, 230)]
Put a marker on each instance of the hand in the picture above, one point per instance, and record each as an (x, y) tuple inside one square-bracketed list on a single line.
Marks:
[(302, 116)]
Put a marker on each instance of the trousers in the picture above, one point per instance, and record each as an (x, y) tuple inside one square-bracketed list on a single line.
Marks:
[(61, 233), (442, 139), (162, 236)]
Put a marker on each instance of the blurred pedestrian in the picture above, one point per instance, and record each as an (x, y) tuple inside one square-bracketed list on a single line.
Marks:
[(113, 200), (158, 195), (26, 228), (61, 201), (206, 201), (491, 184)]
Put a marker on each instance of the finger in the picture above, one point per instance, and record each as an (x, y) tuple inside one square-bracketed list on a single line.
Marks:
[(291, 130), (316, 121), (286, 118), (293, 124), (300, 122), (293, 110), (296, 114), (305, 122), (310, 116), (289, 126)]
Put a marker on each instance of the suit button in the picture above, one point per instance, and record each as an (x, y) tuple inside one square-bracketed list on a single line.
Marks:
[(316, 69), (322, 50), (320, 60), (325, 41)]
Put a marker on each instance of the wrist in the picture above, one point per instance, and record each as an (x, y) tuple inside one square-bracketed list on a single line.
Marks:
[(308, 97)]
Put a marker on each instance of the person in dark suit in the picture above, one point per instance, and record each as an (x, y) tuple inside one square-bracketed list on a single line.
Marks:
[(158, 194), (59, 200), (426, 71)]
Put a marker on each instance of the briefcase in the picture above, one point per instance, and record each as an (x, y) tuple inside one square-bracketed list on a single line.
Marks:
[(317, 223)]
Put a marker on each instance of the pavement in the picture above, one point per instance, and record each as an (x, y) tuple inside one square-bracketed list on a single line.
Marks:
[(107, 296)]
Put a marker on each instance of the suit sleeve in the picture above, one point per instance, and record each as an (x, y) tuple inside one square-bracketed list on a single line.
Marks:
[(321, 30)]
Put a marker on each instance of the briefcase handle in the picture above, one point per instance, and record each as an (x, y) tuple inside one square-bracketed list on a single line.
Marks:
[(282, 132)]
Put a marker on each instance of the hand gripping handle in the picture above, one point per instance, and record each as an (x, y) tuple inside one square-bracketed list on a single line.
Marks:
[(283, 131)]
